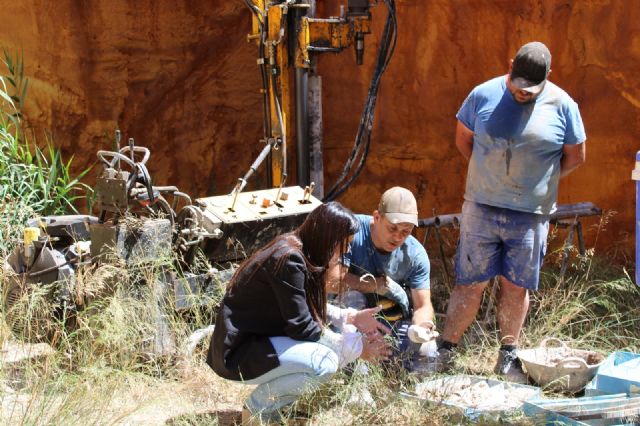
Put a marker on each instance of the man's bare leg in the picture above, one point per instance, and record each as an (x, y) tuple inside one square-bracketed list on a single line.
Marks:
[(464, 304), (512, 307)]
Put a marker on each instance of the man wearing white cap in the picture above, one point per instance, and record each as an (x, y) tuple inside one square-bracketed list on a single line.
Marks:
[(521, 133), (385, 260)]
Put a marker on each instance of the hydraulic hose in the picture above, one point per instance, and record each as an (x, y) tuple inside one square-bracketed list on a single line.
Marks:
[(362, 141)]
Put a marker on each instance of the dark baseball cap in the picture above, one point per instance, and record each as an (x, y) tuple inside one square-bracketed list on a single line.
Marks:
[(531, 67)]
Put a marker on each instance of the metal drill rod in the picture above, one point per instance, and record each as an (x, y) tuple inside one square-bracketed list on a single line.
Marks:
[(564, 211), (284, 179), (242, 182), (131, 145), (441, 221), (116, 147)]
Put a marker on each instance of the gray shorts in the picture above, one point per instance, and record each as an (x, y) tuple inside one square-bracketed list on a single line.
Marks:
[(498, 241)]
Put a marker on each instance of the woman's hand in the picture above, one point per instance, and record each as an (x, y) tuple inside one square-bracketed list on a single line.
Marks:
[(375, 348), (366, 322)]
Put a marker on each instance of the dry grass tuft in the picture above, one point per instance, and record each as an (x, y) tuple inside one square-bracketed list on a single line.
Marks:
[(118, 357)]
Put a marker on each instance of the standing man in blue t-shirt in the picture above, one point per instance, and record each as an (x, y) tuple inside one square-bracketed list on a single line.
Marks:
[(521, 133), (386, 260)]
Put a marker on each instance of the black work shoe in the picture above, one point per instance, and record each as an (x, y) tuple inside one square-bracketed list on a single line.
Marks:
[(510, 367)]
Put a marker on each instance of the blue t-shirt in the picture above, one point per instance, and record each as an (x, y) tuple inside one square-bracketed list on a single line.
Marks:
[(517, 148), (408, 265)]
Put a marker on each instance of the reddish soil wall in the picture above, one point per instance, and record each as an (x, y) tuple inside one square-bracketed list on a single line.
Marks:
[(181, 78)]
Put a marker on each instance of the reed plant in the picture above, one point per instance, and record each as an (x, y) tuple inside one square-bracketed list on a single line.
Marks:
[(34, 180), (125, 336)]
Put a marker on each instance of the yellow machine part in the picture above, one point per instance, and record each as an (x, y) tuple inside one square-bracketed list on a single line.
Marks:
[(333, 33), (31, 234), (391, 311), (281, 89)]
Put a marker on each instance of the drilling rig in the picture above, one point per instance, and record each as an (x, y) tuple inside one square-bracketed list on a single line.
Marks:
[(140, 223)]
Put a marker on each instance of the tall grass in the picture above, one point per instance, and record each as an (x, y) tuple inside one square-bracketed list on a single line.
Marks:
[(125, 336), (104, 369), (597, 311), (33, 180), (122, 348)]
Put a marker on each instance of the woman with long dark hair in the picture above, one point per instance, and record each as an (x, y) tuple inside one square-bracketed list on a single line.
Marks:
[(272, 327)]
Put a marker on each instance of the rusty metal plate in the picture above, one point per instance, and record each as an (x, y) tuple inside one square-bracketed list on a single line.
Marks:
[(252, 222)]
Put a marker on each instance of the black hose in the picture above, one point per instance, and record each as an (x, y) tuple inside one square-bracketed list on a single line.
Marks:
[(363, 136), (254, 9), (266, 117)]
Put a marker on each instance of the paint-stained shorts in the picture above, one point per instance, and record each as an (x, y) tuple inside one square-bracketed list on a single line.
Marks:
[(498, 241)]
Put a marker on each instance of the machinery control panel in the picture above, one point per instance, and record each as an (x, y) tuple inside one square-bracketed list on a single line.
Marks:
[(249, 220)]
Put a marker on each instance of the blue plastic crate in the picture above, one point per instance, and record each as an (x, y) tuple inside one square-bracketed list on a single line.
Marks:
[(614, 410), (620, 373)]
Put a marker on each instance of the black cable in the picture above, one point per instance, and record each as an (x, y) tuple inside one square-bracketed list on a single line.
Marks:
[(265, 86), (254, 9), (371, 104), (266, 117), (363, 136)]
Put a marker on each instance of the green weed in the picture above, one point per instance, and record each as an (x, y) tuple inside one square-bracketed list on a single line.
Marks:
[(33, 180)]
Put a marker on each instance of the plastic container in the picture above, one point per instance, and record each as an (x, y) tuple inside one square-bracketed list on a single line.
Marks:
[(477, 398), (620, 372), (560, 368), (617, 409)]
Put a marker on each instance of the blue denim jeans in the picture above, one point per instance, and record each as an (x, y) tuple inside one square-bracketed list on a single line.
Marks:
[(303, 367), (498, 241)]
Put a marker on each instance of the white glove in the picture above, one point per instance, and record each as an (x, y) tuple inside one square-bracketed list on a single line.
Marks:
[(419, 334)]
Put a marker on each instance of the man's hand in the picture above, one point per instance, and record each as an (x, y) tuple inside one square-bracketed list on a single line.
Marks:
[(383, 284), (366, 323), (429, 325), (422, 307), (422, 333), (393, 291)]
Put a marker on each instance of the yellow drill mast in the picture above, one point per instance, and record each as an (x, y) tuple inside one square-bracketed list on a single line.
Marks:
[(288, 38)]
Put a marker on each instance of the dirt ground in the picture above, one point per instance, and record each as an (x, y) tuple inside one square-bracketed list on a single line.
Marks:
[(202, 399), (193, 396)]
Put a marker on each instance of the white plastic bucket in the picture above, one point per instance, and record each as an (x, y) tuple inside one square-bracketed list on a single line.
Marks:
[(560, 368)]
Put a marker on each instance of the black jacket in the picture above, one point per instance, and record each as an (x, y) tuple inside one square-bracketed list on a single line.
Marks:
[(264, 302)]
